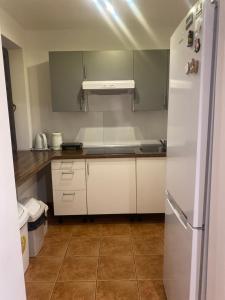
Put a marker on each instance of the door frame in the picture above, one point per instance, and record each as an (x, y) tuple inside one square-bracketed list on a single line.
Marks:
[(11, 272)]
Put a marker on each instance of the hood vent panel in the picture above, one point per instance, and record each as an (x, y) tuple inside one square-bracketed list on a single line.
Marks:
[(108, 85)]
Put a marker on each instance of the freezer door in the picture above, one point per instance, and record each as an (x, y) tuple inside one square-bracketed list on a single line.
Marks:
[(181, 257), (188, 115)]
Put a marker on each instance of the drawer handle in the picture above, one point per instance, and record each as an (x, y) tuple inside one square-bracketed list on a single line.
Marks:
[(68, 173), (69, 194), (71, 197), (66, 165)]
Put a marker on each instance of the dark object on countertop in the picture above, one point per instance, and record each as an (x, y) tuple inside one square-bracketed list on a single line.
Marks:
[(72, 146)]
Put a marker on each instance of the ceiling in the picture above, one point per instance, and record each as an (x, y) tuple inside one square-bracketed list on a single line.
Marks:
[(75, 14)]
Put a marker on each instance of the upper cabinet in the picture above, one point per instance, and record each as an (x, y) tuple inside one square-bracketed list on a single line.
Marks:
[(151, 72), (108, 65), (149, 69), (66, 72)]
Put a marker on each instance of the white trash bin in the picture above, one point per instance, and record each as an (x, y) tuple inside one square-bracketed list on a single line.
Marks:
[(37, 224), (23, 218)]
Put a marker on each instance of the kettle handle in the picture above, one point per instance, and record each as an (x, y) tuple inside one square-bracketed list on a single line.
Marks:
[(44, 141)]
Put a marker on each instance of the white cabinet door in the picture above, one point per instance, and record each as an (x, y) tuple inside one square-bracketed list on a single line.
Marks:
[(151, 185), (111, 186), (69, 203)]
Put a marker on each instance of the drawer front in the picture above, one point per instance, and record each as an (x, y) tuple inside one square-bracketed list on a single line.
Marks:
[(68, 164), (71, 180), (69, 203)]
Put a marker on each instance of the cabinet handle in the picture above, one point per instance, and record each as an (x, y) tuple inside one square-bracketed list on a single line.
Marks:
[(68, 173), (84, 72), (69, 194), (165, 100), (83, 102), (88, 169), (133, 102)]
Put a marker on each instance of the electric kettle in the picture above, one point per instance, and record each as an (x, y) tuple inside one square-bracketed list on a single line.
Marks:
[(41, 142)]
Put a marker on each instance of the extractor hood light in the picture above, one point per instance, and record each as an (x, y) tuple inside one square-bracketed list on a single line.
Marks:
[(108, 85)]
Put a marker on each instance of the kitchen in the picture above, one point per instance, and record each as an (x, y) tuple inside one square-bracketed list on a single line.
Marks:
[(92, 105)]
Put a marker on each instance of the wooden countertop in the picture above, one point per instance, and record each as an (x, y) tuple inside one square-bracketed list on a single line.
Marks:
[(28, 163)]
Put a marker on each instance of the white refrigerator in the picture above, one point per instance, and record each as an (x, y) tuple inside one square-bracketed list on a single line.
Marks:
[(189, 139)]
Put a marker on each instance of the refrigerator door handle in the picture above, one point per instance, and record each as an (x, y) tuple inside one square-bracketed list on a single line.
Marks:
[(178, 215)]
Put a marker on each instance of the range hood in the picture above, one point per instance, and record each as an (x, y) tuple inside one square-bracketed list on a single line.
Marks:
[(108, 85)]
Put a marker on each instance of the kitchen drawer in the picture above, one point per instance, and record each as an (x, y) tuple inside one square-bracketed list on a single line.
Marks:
[(68, 164), (68, 179), (69, 203)]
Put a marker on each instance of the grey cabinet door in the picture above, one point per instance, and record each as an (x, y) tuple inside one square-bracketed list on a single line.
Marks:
[(66, 73), (108, 65), (151, 79)]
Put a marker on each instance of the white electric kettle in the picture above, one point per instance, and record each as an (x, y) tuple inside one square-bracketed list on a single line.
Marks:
[(41, 142)]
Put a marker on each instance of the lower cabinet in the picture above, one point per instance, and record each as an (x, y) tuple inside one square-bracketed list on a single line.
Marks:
[(151, 185), (69, 187), (111, 186)]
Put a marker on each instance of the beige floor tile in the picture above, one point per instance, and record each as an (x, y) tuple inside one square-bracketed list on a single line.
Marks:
[(149, 267), (52, 247), (115, 229), (116, 267), (78, 268), (74, 291), (116, 246), (87, 230), (58, 236), (84, 246), (148, 245), (60, 228), (39, 290), (117, 290), (151, 290), (148, 229), (44, 269)]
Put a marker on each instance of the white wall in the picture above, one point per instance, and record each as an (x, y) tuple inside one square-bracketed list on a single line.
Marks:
[(216, 255), (11, 268), (14, 32)]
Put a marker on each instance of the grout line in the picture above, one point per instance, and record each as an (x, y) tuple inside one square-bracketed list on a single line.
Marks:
[(138, 288), (135, 267), (60, 268), (96, 286)]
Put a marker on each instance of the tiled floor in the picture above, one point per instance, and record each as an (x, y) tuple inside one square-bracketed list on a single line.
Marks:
[(110, 259)]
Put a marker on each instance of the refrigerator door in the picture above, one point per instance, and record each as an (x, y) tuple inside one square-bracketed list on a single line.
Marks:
[(181, 256), (189, 112)]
